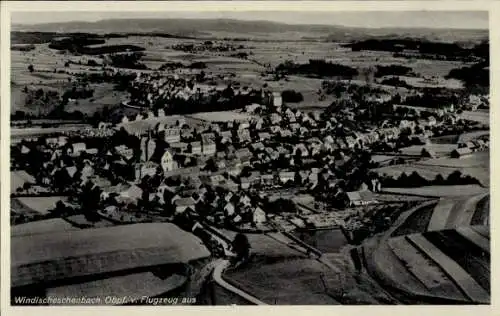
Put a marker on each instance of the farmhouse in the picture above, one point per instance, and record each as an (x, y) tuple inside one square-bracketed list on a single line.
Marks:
[(208, 146), (196, 148), (133, 193), (77, 148), (172, 135), (287, 176), (229, 209), (264, 136), (359, 198), (277, 100), (428, 153), (461, 152), (143, 169), (258, 216), (182, 204)]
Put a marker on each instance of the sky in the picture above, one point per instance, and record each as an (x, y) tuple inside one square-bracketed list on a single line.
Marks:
[(405, 19)]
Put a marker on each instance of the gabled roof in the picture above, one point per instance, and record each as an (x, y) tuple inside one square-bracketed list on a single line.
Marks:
[(360, 196), (189, 201), (463, 151)]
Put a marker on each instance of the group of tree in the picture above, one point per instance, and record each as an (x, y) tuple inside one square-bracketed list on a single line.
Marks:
[(415, 180), (433, 98), (345, 89), (198, 65), (475, 75), (393, 70), (292, 96), (127, 60), (424, 48), (317, 67), (171, 66), (396, 82), (77, 93)]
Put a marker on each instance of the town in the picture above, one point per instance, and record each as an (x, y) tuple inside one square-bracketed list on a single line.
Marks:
[(235, 159)]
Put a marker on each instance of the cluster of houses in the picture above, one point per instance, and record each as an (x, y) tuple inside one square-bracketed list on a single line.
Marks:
[(466, 149), (151, 89), (276, 147)]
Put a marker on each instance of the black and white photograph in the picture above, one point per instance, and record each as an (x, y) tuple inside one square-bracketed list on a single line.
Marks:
[(249, 158)]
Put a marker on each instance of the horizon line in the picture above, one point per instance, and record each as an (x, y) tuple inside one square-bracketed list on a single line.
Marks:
[(261, 20)]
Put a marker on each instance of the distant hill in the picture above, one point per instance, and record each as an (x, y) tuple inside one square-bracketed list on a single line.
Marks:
[(238, 28)]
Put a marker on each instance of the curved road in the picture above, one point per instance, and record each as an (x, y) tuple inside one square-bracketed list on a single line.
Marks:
[(217, 274), (222, 264)]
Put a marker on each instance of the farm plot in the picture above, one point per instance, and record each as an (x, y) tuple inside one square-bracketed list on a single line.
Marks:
[(427, 172), (81, 221), (222, 116), (104, 96), (479, 159), (41, 227), (439, 190), (264, 245), (41, 205), (476, 116), (476, 165), (416, 222), (18, 179), (149, 123), (283, 281), (439, 149), (466, 137), (437, 83), (448, 139), (482, 212)]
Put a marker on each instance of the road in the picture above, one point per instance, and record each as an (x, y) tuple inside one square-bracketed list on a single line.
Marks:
[(222, 264), (217, 274)]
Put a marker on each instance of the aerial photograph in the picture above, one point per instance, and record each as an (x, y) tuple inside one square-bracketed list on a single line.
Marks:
[(250, 158)]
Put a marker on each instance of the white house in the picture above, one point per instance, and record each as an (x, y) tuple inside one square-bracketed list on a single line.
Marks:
[(359, 198), (208, 147), (182, 204), (277, 100), (286, 176), (258, 216), (172, 135), (143, 169), (78, 148), (229, 209), (167, 161)]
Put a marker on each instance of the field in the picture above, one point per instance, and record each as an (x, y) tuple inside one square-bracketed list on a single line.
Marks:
[(428, 172), (264, 245), (223, 116), (439, 190), (44, 61), (132, 286), (382, 158), (263, 55), (448, 139), (476, 165), (18, 179), (327, 240), (41, 227), (18, 134), (438, 149), (41, 205), (149, 123), (284, 281), (476, 116), (466, 137)]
